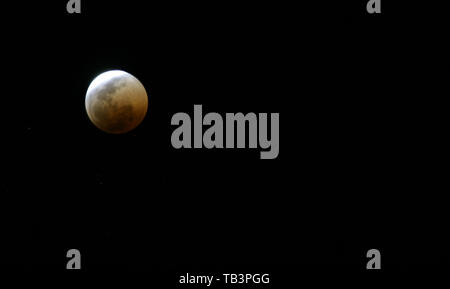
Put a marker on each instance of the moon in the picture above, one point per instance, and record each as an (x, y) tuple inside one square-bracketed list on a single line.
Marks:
[(116, 102)]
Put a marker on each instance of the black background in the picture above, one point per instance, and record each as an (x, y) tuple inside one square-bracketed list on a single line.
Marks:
[(360, 102)]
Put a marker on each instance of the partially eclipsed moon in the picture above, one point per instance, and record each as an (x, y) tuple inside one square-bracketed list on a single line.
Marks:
[(116, 102)]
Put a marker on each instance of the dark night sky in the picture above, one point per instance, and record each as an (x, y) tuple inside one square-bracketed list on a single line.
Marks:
[(359, 108)]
